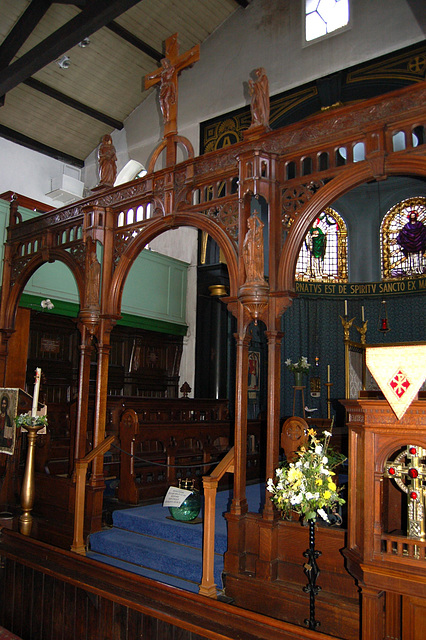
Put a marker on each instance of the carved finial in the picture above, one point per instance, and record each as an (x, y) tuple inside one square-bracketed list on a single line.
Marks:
[(185, 390)]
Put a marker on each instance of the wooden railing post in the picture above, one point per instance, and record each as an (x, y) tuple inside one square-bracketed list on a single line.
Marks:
[(207, 585), (78, 545)]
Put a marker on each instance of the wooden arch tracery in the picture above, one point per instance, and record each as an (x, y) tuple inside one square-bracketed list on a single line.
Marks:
[(155, 227), (200, 192)]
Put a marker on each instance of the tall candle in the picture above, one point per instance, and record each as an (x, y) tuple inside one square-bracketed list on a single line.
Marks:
[(36, 392), (328, 373), (362, 314), (346, 307)]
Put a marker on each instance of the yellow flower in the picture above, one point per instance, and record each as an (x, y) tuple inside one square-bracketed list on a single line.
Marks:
[(331, 485), (327, 495), (318, 481), (294, 474), (312, 432)]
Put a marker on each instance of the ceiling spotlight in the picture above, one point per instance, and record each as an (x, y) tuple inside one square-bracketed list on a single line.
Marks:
[(84, 43), (63, 62)]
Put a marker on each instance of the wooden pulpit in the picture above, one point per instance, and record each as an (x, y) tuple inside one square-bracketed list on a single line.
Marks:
[(386, 549)]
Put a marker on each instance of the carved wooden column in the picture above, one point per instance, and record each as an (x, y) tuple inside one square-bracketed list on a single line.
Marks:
[(239, 502), (83, 393), (236, 525)]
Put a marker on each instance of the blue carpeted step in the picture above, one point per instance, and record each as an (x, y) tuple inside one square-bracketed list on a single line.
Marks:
[(168, 557), (164, 578), (152, 520)]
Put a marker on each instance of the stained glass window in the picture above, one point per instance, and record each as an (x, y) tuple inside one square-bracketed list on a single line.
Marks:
[(323, 255), (325, 16), (403, 239)]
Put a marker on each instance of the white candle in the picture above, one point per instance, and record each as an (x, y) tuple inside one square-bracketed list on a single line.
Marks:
[(36, 392), (328, 373), (346, 307), (362, 314)]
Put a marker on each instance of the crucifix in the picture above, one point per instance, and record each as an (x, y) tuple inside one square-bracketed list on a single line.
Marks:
[(167, 77), (409, 472)]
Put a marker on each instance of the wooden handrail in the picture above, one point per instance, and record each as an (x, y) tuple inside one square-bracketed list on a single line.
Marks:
[(226, 465), (81, 465)]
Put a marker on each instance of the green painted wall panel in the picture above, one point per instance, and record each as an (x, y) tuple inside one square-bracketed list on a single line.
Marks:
[(154, 295)]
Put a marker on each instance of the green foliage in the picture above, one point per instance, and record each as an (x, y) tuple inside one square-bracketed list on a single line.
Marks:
[(306, 486)]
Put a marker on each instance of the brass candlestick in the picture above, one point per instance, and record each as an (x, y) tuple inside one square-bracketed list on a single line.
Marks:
[(28, 485), (328, 385)]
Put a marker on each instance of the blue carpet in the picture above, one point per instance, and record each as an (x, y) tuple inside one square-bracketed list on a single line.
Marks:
[(146, 541)]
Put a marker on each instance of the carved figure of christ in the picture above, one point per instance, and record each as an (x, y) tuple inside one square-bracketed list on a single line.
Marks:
[(167, 75)]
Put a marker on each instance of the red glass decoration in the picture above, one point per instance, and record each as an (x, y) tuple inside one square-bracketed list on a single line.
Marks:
[(391, 471), (413, 473), (413, 451), (413, 495)]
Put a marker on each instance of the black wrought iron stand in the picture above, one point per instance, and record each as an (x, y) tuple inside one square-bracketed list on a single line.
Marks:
[(312, 572)]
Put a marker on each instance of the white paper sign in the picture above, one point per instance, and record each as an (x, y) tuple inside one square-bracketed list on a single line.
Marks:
[(175, 496)]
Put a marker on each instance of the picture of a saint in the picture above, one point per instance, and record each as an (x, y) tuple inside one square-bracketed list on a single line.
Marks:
[(316, 241), (8, 400), (412, 242)]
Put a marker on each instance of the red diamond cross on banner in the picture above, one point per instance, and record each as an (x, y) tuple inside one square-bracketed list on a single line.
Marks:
[(399, 383)]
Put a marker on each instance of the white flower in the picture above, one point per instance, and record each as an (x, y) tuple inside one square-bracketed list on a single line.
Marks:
[(288, 362), (297, 499), (327, 434), (318, 449), (298, 463), (324, 460), (308, 495), (306, 465), (323, 515), (270, 485)]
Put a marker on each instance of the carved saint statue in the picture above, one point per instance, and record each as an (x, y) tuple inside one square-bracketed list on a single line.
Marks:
[(259, 91), (253, 250), (93, 276), (107, 162)]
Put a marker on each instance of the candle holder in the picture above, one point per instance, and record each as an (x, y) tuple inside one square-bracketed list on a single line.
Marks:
[(328, 385), (362, 331), (346, 325), (33, 426)]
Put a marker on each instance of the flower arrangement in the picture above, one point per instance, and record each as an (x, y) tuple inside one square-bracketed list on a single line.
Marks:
[(25, 420), (306, 486), (301, 366)]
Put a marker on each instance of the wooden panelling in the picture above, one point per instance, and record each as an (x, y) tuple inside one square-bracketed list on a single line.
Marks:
[(48, 594)]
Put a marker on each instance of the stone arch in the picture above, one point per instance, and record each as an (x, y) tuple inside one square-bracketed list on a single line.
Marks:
[(154, 229), (31, 267), (347, 180)]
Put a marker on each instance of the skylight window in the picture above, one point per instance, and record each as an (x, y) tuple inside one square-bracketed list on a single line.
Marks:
[(324, 17)]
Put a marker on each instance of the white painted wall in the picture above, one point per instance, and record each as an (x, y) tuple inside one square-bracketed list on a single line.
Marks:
[(269, 34), (28, 172)]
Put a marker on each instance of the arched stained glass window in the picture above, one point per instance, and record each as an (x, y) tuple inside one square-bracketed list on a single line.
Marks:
[(403, 239), (323, 255)]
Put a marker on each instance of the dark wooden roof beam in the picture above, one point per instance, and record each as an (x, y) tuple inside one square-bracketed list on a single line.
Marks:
[(93, 17), (136, 42), (22, 29), (30, 143), (74, 104)]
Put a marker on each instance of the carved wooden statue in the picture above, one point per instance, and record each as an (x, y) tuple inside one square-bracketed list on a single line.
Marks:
[(259, 91), (107, 161), (167, 77), (253, 250)]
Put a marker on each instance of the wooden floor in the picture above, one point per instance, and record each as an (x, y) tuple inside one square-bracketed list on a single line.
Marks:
[(52, 594)]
